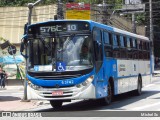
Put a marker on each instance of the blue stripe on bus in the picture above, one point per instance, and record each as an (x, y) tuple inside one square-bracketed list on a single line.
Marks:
[(61, 83), (132, 76)]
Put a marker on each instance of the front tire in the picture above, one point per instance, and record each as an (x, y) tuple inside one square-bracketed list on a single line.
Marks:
[(56, 104), (108, 99)]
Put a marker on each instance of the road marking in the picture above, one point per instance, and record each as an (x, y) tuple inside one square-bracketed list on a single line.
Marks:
[(146, 106), (149, 85)]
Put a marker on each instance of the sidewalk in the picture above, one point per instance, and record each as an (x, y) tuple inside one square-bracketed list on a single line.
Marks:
[(13, 103)]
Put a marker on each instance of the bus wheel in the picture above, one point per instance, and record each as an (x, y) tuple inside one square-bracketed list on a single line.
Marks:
[(138, 91), (108, 99), (56, 104)]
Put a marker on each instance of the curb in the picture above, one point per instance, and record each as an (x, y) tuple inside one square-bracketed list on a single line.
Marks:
[(3, 88), (15, 87)]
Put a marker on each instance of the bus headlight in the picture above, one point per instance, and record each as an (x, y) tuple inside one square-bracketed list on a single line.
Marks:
[(87, 82), (35, 87)]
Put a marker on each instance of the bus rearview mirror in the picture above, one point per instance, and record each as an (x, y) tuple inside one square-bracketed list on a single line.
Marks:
[(22, 47)]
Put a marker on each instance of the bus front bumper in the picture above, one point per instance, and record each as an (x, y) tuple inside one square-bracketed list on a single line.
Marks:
[(67, 93)]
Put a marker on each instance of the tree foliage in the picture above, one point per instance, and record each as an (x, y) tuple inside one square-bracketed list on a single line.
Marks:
[(45, 2)]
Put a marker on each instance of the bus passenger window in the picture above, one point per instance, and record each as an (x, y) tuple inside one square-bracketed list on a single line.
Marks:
[(97, 35), (106, 38), (128, 43), (131, 42), (107, 44), (115, 40), (110, 37), (125, 41), (134, 50), (134, 44), (116, 52), (123, 50), (121, 41)]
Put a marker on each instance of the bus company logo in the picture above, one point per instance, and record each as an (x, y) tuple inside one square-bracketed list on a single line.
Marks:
[(57, 86), (122, 67)]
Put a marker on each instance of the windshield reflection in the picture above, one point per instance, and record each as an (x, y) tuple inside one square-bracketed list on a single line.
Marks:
[(71, 53)]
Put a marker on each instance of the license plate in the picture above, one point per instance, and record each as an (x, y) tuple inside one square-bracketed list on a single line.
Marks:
[(57, 93)]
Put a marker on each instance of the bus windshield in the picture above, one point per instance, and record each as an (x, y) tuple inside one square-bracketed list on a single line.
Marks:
[(65, 53)]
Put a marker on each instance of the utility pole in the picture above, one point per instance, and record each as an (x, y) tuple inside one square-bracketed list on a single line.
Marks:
[(133, 23), (151, 36), (59, 11), (102, 12), (30, 6)]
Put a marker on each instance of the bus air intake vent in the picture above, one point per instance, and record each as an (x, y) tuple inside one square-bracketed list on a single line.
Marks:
[(60, 77)]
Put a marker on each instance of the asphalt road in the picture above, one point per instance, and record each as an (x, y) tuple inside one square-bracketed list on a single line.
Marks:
[(126, 104), (149, 100)]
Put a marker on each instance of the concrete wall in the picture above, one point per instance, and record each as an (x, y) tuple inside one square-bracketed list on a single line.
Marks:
[(12, 20)]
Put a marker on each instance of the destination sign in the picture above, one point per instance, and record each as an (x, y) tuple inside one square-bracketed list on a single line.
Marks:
[(61, 26), (58, 28)]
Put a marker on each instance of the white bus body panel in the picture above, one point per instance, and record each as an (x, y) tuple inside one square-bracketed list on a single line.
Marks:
[(127, 73)]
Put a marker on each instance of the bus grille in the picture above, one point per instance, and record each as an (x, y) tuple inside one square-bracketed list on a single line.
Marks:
[(67, 92), (61, 77)]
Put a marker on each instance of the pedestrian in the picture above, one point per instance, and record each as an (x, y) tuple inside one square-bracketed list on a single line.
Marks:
[(0, 76), (3, 79)]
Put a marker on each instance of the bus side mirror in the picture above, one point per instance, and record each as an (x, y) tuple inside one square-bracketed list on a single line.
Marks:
[(23, 44), (22, 47)]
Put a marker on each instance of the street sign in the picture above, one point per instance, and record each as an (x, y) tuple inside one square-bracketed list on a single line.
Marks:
[(133, 8), (12, 50), (133, 2), (5, 45), (78, 11), (77, 14)]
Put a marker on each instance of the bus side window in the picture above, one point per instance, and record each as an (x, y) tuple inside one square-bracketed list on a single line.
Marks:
[(141, 50), (121, 42), (134, 48), (145, 50), (116, 40), (107, 44), (125, 41), (128, 43), (106, 38), (123, 51), (110, 38), (129, 52), (134, 44), (97, 37)]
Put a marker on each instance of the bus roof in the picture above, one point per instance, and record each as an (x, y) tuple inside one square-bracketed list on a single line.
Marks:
[(113, 29), (107, 27)]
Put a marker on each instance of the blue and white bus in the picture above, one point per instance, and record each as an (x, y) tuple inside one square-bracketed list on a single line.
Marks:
[(75, 59)]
